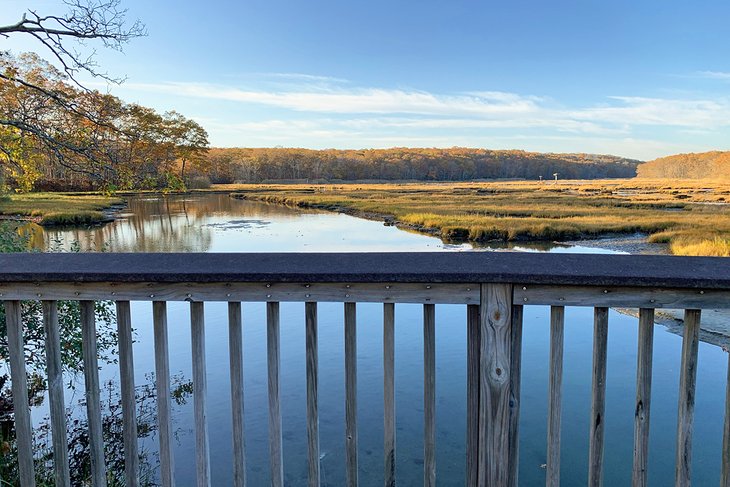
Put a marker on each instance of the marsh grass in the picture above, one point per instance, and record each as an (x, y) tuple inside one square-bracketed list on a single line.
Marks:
[(692, 216), (717, 247), (58, 208)]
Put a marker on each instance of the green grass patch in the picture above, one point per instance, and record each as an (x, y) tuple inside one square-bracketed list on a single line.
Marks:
[(59, 208)]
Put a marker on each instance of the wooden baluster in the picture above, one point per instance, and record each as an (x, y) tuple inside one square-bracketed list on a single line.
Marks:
[(598, 397), (389, 393), (687, 380), (56, 394), (162, 384), (557, 320), (19, 386), (643, 397), (93, 392), (472, 394), (429, 395), (725, 475), (129, 401), (514, 416), (200, 394), (310, 314), (351, 395), (494, 400), (274, 362), (235, 351)]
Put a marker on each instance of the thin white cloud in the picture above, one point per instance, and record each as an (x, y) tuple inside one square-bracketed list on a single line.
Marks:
[(476, 109), (367, 100), (303, 77), (714, 75), (309, 111), (661, 111)]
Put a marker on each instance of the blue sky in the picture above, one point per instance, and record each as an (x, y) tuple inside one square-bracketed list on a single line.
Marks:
[(637, 79)]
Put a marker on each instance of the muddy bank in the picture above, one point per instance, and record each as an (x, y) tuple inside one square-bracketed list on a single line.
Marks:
[(714, 323)]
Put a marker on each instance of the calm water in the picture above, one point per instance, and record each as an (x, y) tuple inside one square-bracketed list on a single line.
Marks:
[(216, 223)]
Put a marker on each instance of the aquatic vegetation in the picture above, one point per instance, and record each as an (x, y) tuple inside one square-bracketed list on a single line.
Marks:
[(686, 214)]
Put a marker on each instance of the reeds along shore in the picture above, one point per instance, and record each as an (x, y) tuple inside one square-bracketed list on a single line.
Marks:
[(58, 208), (693, 217)]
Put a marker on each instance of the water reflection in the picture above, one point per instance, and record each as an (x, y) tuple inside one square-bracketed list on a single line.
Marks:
[(218, 223)]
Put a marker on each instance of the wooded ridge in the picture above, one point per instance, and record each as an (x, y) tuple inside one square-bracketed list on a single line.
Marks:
[(705, 165), (430, 164)]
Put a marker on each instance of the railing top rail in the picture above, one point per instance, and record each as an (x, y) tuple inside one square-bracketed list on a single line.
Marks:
[(369, 267)]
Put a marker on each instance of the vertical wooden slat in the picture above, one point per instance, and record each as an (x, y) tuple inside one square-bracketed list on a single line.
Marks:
[(350, 395), (310, 315), (235, 351), (472, 394), (514, 416), (389, 393), (495, 362), (598, 397), (687, 380), (643, 397), (19, 386), (429, 395), (93, 401), (129, 402), (55, 395), (725, 474), (200, 393), (162, 384), (273, 362), (557, 319)]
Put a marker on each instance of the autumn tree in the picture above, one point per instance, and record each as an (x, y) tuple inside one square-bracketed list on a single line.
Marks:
[(68, 40), (189, 140)]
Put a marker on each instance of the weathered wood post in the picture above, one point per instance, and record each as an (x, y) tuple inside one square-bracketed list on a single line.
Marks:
[(495, 382)]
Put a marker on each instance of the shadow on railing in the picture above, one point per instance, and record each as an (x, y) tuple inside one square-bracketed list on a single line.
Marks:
[(494, 286)]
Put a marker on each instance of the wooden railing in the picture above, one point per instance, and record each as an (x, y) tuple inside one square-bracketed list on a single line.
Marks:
[(493, 286)]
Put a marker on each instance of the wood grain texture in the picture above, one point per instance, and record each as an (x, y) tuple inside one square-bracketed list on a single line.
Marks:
[(389, 394), (725, 472), (235, 353), (129, 401), (429, 395), (312, 359), (93, 401), (56, 391), (598, 397), (19, 386), (162, 384), (557, 320), (494, 397), (273, 345), (643, 397), (472, 394), (200, 395), (685, 411), (387, 292), (622, 296), (514, 401), (363, 267), (351, 477)]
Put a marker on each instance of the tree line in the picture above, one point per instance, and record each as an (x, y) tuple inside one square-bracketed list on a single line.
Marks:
[(706, 165), (453, 164), (57, 135)]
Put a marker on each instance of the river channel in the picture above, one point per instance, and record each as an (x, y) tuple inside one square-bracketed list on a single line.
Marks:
[(217, 223)]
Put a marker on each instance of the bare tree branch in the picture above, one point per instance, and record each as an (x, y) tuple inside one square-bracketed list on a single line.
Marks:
[(101, 20)]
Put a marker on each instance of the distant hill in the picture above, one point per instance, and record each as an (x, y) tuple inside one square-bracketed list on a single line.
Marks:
[(453, 164), (705, 165)]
